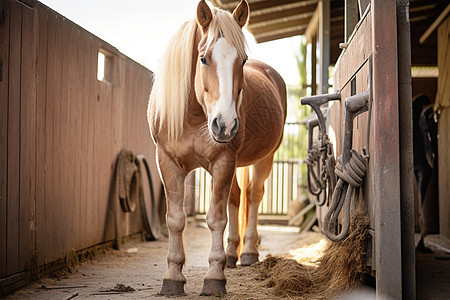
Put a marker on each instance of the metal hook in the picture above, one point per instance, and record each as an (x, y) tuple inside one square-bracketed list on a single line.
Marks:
[(350, 168)]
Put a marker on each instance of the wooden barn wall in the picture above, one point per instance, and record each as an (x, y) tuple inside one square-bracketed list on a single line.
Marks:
[(443, 103), (351, 65), (60, 133), (377, 36)]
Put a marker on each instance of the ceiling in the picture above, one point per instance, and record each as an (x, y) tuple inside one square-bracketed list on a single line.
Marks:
[(276, 19)]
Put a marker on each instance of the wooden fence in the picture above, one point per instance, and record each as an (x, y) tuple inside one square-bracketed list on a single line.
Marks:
[(61, 130), (280, 188)]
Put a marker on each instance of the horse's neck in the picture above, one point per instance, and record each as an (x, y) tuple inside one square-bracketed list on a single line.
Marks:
[(195, 114)]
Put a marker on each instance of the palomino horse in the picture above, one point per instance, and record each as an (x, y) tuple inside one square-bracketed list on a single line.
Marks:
[(211, 108)]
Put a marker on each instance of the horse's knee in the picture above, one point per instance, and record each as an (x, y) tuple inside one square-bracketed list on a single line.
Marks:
[(176, 222), (216, 224)]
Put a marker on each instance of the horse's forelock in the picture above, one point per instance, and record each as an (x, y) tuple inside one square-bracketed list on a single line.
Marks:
[(224, 25)]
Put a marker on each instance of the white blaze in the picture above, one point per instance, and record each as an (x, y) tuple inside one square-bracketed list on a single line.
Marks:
[(224, 55)]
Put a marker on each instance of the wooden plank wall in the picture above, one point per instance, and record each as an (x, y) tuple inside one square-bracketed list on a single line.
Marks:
[(381, 189), (61, 130), (443, 100), (352, 64)]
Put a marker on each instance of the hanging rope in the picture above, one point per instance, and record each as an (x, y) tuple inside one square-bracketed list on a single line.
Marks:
[(353, 174), (321, 179), (320, 161)]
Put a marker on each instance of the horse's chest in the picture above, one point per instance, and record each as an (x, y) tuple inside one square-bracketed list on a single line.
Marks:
[(192, 153)]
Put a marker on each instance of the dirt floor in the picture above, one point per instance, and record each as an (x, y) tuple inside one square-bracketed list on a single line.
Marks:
[(433, 269), (135, 272), (141, 265)]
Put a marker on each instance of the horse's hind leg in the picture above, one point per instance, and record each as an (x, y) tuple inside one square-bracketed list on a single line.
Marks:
[(255, 192), (233, 225), (173, 178)]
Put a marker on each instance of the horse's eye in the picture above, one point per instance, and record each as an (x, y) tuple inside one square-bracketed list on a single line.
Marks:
[(203, 61)]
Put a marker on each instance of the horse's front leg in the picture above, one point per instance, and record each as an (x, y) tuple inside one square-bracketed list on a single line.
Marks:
[(173, 178), (233, 225), (216, 218)]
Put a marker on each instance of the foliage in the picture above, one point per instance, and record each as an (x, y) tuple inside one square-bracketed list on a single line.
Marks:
[(294, 145)]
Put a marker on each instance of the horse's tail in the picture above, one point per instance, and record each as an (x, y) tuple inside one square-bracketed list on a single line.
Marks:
[(172, 83)]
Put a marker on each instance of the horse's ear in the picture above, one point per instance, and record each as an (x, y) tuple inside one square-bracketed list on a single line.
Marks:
[(204, 15), (240, 14)]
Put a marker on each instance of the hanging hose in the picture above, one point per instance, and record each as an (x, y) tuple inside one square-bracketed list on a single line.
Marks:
[(129, 188), (151, 225), (127, 180)]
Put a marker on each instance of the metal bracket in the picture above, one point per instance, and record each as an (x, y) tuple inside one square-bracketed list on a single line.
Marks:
[(315, 102), (320, 158)]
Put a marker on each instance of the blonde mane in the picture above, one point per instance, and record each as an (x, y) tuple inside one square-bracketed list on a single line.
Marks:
[(172, 84)]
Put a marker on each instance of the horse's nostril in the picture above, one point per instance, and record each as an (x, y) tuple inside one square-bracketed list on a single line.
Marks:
[(215, 126), (235, 127)]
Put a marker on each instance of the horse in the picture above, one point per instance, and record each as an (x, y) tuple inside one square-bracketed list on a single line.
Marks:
[(212, 107)]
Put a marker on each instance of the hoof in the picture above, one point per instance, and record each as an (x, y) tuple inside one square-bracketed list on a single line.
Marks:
[(172, 287), (248, 259), (231, 261), (213, 287)]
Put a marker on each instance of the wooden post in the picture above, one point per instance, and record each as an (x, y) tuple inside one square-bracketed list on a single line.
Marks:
[(324, 41), (406, 150), (385, 154), (351, 17), (314, 65)]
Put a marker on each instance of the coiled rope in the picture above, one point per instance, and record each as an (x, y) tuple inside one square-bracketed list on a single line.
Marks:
[(353, 174), (321, 164)]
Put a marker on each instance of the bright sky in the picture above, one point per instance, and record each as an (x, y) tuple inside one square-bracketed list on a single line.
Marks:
[(141, 30)]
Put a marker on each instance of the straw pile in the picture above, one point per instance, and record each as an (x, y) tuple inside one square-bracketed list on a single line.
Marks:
[(341, 268)]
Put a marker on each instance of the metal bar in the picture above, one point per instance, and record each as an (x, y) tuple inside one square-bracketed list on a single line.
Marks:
[(315, 102), (406, 150), (354, 106), (310, 126)]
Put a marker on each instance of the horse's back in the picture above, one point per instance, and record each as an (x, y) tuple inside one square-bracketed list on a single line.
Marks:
[(256, 72), (264, 106)]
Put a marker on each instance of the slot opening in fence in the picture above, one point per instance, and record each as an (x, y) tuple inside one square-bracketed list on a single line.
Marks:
[(105, 66)]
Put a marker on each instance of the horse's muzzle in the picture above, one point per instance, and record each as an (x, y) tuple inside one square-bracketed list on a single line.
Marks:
[(221, 133)]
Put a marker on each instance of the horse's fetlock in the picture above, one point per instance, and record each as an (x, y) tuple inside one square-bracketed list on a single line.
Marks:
[(176, 260)]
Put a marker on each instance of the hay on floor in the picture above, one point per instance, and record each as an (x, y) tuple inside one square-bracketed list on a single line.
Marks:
[(340, 269)]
